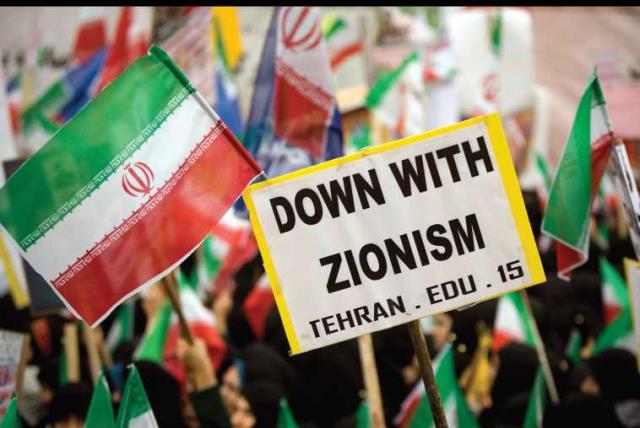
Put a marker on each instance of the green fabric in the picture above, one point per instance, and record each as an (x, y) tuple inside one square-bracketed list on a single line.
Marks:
[(100, 413), (285, 417), (333, 27), (543, 167), (134, 401), (386, 82), (496, 33), (573, 347), (11, 418), (153, 342), (569, 206), (86, 152), (363, 420), (361, 138), (535, 407), (612, 279), (63, 375), (450, 392), (517, 301), (37, 113), (614, 333)]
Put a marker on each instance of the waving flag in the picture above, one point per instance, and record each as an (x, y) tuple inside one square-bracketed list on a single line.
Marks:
[(535, 408), (100, 413), (92, 33), (294, 121), (61, 101), (415, 411), (568, 215), (618, 331), (132, 39), (156, 163), (135, 410), (257, 306), (512, 323)]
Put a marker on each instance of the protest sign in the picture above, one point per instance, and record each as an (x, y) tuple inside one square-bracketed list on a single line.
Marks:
[(11, 348), (394, 233), (632, 273)]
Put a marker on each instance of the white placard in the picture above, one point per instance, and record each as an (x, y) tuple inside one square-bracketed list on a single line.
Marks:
[(394, 233)]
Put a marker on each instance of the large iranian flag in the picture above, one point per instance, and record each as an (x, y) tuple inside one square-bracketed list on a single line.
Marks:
[(585, 156), (126, 190)]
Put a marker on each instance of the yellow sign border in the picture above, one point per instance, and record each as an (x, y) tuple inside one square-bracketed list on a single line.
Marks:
[(508, 176)]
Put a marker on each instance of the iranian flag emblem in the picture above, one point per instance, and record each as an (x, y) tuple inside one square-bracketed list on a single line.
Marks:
[(126, 190)]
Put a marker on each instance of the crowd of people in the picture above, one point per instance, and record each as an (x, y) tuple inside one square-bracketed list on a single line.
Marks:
[(245, 386)]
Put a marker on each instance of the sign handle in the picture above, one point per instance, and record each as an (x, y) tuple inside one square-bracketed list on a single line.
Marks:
[(542, 354), (169, 284), (426, 371), (92, 352), (71, 352), (371, 382)]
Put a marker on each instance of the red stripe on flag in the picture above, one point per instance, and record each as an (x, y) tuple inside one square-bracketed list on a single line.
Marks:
[(164, 234), (344, 53)]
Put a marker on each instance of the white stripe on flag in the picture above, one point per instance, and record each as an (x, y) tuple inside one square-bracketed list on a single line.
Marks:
[(96, 223)]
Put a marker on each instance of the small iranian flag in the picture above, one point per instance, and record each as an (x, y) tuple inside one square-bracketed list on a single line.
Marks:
[(135, 410), (512, 323), (100, 413), (614, 291), (618, 332), (535, 409), (257, 306), (122, 327), (152, 344), (577, 180), (126, 190), (397, 98), (225, 250), (11, 418), (285, 416), (202, 324), (415, 411), (343, 39)]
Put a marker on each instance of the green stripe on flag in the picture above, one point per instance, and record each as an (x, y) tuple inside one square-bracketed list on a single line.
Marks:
[(535, 408), (100, 413), (86, 152), (134, 403), (615, 333), (152, 345), (569, 206), (381, 87), (11, 418), (611, 278), (332, 27), (496, 34)]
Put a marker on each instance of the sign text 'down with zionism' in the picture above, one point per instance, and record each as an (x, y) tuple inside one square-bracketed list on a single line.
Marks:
[(394, 233)]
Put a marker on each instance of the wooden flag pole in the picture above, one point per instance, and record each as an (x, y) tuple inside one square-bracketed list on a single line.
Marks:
[(542, 354), (169, 284), (92, 352), (71, 352), (25, 355), (426, 371), (371, 382)]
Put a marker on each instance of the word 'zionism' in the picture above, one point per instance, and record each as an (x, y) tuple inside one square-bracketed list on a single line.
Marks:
[(338, 197)]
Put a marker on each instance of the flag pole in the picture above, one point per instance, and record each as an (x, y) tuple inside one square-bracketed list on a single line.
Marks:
[(426, 371), (542, 354), (92, 352), (71, 352), (371, 382), (170, 288)]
